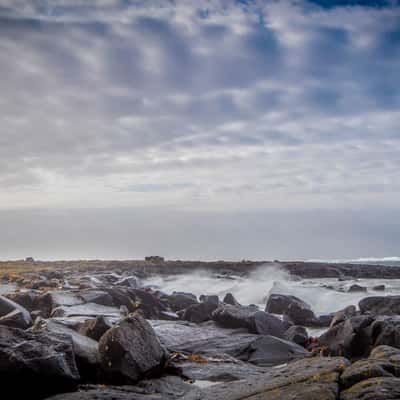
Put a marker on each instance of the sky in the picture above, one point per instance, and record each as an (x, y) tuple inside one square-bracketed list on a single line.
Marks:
[(199, 129)]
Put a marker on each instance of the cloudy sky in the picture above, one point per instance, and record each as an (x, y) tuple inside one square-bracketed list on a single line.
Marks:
[(199, 129)]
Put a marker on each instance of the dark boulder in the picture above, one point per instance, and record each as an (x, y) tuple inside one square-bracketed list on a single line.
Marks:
[(385, 330), (267, 351), (230, 299), (301, 314), (350, 338), (198, 313), (181, 300), (13, 314), (279, 303), (356, 288), (43, 363), (297, 334), (229, 316), (130, 350), (380, 305), (264, 323)]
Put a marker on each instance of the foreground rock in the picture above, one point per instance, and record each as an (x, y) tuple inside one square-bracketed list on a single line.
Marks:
[(384, 361), (309, 379), (376, 377), (130, 350), (381, 388), (42, 363)]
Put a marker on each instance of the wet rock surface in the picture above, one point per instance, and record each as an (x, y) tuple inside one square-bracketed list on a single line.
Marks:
[(42, 363)]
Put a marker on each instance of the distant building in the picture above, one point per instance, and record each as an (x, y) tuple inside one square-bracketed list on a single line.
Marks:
[(29, 259), (156, 259)]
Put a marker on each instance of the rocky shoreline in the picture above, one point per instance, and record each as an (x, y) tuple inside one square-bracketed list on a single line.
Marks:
[(99, 332)]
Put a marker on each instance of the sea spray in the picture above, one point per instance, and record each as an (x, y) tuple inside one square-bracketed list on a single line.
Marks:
[(324, 295)]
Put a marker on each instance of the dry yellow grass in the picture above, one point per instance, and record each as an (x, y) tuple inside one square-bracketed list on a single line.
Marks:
[(17, 268)]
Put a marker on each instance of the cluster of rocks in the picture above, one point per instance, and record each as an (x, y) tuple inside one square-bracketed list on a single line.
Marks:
[(106, 336)]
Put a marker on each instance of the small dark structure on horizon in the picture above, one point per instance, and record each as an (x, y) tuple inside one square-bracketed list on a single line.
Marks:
[(156, 259), (29, 259)]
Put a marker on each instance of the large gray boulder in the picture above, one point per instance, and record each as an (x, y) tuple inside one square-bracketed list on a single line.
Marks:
[(130, 350), (35, 365)]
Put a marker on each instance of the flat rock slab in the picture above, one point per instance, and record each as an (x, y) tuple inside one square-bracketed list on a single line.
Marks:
[(208, 339), (168, 388), (86, 310), (308, 379), (212, 369)]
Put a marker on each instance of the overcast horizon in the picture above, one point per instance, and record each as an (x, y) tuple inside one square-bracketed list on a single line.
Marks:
[(218, 129)]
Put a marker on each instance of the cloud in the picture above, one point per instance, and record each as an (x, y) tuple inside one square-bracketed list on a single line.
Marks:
[(206, 105)]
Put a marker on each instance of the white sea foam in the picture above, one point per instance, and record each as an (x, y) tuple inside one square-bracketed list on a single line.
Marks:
[(324, 295)]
